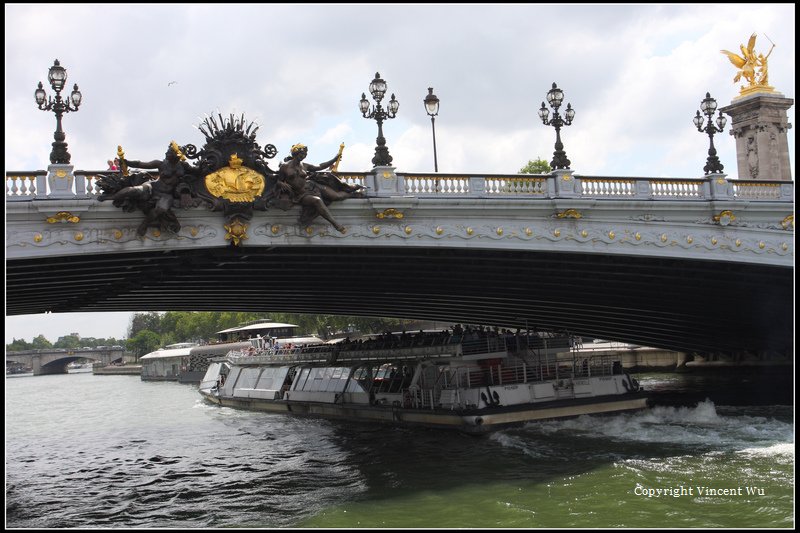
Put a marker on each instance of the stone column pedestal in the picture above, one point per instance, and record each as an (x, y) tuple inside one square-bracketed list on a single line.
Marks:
[(759, 124)]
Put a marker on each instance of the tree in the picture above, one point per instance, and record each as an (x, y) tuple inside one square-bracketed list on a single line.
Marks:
[(40, 343), (143, 343), (18, 345), (539, 166)]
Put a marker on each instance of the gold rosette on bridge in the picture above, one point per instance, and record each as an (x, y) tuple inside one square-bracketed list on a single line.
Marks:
[(235, 182)]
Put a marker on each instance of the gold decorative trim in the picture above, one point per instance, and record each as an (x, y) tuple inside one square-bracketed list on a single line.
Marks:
[(389, 213), (584, 233), (439, 230), (376, 230), (788, 222), (193, 231), (569, 213), (156, 233), (79, 236), (714, 241), (528, 232), (63, 216), (499, 231), (236, 231), (117, 234), (275, 229), (470, 231), (309, 230), (784, 246), (611, 235), (407, 229), (557, 232), (38, 238), (663, 237), (689, 239), (738, 242), (61, 173), (637, 236), (724, 217), (761, 244), (721, 181)]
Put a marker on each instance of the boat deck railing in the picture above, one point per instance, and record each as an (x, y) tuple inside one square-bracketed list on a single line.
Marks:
[(521, 371)]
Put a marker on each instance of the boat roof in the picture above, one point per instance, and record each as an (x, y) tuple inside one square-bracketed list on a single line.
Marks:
[(165, 352), (260, 325), (310, 339)]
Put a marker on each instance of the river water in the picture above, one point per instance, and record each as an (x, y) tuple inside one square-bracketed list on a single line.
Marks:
[(85, 451)]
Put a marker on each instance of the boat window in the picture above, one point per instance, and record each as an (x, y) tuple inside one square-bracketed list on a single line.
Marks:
[(300, 381), (248, 378), (272, 378)]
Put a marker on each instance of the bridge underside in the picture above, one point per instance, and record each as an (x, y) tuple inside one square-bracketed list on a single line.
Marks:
[(673, 304)]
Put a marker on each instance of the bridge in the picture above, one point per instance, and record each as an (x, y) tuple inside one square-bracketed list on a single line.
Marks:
[(696, 265), (55, 360)]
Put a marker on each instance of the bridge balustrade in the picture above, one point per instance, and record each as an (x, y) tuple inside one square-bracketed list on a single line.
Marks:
[(33, 185)]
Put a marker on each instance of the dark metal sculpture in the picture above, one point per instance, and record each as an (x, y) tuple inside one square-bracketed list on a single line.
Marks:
[(229, 174), (304, 184), (554, 97), (378, 88)]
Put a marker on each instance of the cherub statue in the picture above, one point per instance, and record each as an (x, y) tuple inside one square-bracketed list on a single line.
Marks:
[(752, 67)]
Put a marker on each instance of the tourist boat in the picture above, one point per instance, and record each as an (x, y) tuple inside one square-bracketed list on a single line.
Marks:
[(440, 380)]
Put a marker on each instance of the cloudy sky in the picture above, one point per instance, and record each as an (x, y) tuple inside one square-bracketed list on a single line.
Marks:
[(635, 75)]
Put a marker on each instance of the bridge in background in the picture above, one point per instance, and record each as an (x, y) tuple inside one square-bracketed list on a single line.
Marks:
[(55, 360), (695, 265)]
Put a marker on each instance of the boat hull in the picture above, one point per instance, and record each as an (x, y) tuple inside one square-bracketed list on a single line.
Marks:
[(473, 421)]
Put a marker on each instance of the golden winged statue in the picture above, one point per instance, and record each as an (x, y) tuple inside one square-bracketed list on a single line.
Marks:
[(752, 67)]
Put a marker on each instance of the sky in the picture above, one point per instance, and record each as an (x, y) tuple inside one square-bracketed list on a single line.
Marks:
[(149, 74)]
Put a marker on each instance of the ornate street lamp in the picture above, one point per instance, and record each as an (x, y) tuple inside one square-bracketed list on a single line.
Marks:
[(432, 108), (57, 76), (708, 106), (378, 88), (554, 97)]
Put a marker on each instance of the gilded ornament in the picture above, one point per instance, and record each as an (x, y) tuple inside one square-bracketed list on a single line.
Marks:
[(585, 234), (784, 246), (61, 173), (788, 222), (663, 237), (63, 216), (439, 230), (275, 229), (117, 234), (309, 230), (752, 68), (738, 242), (470, 231), (389, 213), (79, 236), (499, 231), (761, 244), (714, 241), (235, 182), (637, 236), (611, 234), (156, 232), (376, 230), (724, 217), (689, 239), (38, 238), (569, 213), (557, 233), (407, 229), (193, 231), (236, 231), (528, 232)]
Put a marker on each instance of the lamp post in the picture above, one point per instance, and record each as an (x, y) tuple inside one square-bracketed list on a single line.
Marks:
[(708, 106), (378, 88), (432, 108), (554, 97), (57, 76)]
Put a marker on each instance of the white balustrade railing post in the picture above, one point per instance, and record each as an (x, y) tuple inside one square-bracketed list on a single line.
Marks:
[(566, 185), (387, 183), (477, 186), (60, 178), (719, 187)]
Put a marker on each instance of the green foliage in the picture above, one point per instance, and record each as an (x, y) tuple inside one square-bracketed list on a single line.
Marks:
[(144, 342), (539, 166), (18, 345), (40, 343)]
